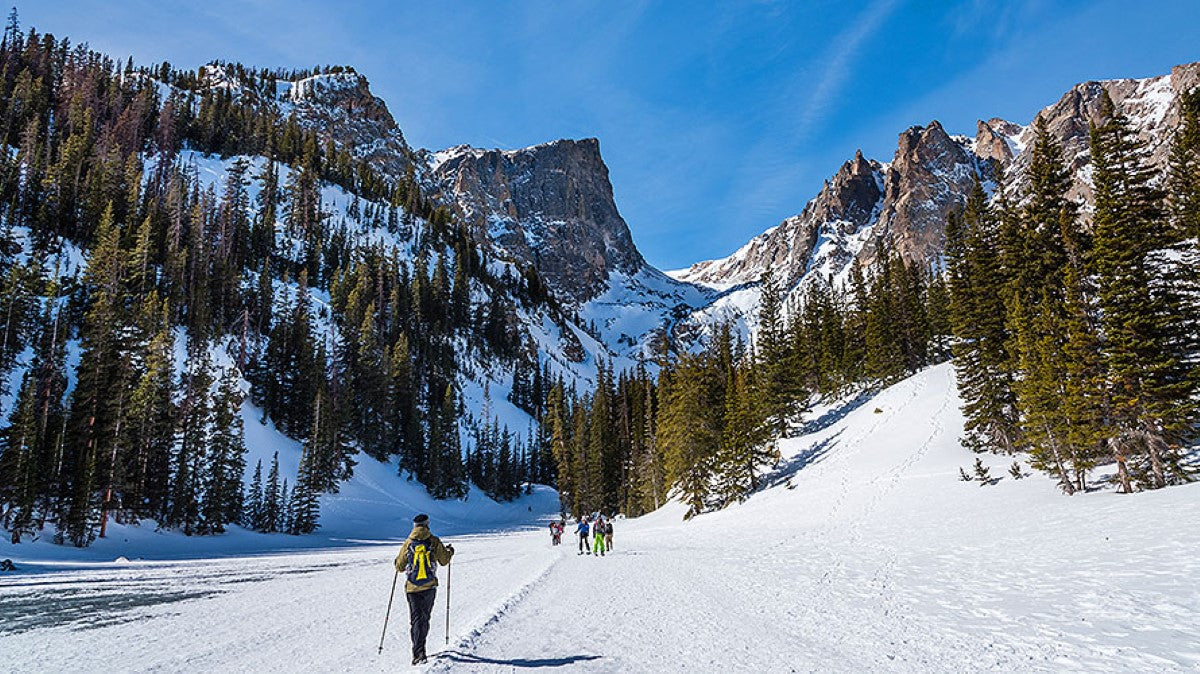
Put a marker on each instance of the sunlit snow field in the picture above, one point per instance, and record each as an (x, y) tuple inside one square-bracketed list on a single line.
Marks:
[(866, 553)]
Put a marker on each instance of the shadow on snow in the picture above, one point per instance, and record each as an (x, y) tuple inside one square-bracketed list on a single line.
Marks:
[(784, 471), (838, 413), (467, 658)]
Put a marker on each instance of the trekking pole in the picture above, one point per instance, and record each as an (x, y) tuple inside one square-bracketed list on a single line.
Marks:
[(389, 608), (447, 603)]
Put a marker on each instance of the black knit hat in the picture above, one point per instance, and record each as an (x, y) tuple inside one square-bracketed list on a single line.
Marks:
[(421, 519)]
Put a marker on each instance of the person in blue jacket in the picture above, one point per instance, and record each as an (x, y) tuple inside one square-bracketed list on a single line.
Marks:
[(582, 530)]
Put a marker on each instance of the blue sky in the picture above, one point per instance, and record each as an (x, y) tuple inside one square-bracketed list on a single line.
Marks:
[(717, 120)]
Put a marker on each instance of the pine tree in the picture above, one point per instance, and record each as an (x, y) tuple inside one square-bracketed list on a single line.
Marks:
[(783, 396), (271, 499), (688, 434), (151, 423), (603, 471), (370, 391), (1051, 319), (447, 474), (22, 463), (253, 512), (1183, 193), (226, 457), (982, 473), (283, 523), (1040, 390), (978, 318), (650, 470), (560, 444), (744, 444), (1151, 389), (883, 322), (191, 454), (98, 399), (1015, 470), (409, 440), (29, 445), (304, 505)]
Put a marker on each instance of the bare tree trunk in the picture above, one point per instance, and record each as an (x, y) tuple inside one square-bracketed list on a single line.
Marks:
[(1063, 475), (1122, 469), (1154, 448)]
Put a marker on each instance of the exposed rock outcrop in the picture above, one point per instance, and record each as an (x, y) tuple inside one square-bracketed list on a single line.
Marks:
[(848, 202), (931, 175), (549, 205)]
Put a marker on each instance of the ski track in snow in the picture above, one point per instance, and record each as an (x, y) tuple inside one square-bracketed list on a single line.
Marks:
[(871, 556)]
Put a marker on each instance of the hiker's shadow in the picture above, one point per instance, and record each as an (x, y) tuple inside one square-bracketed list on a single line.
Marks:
[(467, 658)]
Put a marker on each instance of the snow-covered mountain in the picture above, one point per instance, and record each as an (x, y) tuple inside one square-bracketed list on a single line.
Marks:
[(905, 201), (338, 104), (550, 207)]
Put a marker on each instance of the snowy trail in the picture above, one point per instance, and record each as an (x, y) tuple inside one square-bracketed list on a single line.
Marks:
[(314, 611), (876, 558)]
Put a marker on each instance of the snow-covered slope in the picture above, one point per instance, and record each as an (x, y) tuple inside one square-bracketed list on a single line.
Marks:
[(376, 504), (865, 553)]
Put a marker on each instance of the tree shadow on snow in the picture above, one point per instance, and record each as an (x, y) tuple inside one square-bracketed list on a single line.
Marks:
[(838, 413), (468, 658), (784, 471)]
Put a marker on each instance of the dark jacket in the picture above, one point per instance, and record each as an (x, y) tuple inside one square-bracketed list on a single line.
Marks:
[(441, 555)]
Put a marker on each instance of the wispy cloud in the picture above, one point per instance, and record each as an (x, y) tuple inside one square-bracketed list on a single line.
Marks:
[(839, 63)]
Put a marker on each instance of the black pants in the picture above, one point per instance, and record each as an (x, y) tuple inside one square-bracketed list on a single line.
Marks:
[(583, 542), (420, 606)]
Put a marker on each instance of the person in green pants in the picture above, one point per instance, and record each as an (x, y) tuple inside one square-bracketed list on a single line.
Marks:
[(598, 529)]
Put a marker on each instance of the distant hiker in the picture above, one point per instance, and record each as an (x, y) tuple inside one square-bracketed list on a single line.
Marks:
[(418, 560), (608, 535), (582, 530), (599, 528)]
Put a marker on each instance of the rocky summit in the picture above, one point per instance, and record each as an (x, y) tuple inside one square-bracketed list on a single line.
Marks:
[(904, 204), (550, 205)]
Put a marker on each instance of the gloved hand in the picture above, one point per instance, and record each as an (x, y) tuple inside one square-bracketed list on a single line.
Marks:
[(450, 547)]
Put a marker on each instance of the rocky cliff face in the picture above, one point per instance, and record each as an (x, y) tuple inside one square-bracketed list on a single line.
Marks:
[(1150, 103), (848, 203), (341, 106), (930, 176), (338, 105), (996, 140), (904, 203), (549, 205)]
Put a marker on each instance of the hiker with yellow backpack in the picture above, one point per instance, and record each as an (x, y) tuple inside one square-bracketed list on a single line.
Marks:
[(418, 560)]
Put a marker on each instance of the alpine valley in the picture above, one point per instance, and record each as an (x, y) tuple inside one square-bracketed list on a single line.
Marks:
[(242, 314)]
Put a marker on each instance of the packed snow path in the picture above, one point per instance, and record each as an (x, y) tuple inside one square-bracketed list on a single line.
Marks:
[(866, 553)]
